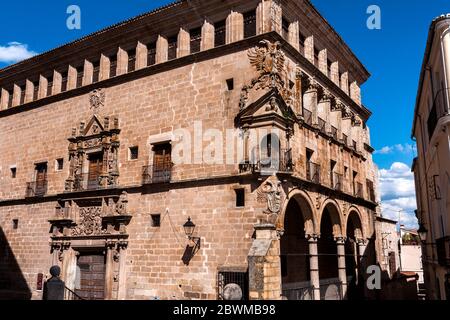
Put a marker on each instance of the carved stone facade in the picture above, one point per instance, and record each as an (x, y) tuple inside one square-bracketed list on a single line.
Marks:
[(300, 190)]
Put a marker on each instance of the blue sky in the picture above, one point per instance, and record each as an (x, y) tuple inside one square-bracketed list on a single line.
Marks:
[(393, 55)]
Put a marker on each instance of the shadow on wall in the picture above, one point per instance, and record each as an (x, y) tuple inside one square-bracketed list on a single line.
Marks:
[(13, 285)]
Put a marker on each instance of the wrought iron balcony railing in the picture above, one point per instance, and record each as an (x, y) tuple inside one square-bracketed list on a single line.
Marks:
[(86, 181), (157, 173), (313, 172), (36, 188), (336, 181), (281, 162)]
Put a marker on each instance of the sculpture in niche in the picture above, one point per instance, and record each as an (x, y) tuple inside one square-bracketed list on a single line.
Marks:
[(121, 206)]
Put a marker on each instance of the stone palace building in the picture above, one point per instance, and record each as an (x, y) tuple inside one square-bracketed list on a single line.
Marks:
[(431, 130), (95, 176)]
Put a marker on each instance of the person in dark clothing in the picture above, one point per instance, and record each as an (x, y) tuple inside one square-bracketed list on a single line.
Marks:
[(54, 287)]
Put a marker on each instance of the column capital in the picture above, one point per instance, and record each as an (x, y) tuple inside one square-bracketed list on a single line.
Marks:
[(312, 237), (361, 242), (340, 239)]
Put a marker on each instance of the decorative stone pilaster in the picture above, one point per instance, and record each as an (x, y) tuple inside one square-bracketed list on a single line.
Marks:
[(122, 62), (57, 82), (323, 61), (88, 73), (310, 99), (264, 264), (4, 99), (324, 108), (141, 55), (355, 92), (309, 49), (334, 70), (344, 82), (16, 96), (298, 103), (207, 36), (342, 273), (234, 27), (294, 38), (105, 67), (43, 84), (71, 78), (314, 265)]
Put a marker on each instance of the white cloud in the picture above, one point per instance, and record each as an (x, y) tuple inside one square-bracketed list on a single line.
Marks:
[(406, 148), (396, 186), (15, 52)]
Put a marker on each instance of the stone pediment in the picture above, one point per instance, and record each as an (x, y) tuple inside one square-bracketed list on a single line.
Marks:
[(93, 127), (269, 107)]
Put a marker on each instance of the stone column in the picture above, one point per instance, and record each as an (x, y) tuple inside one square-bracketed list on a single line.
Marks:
[(309, 49), (294, 38), (16, 95), (88, 73), (4, 99), (268, 17), (340, 242), (208, 36), (72, 78), (325, 108), (43, 83), (264, 264), (122, 247), (57, 83), (122, 62), (323, 62), (184, 43), (311, 99), (355, 92), (314, 265), (29, 90), (234, 27), (162, 50), (105, 67), (362, 272), (334, 76), (141, 56), (298, 92), (109, 268), (344, 82)]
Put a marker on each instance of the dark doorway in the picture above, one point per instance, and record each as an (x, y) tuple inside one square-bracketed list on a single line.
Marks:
[(162, 162), (91, 275)]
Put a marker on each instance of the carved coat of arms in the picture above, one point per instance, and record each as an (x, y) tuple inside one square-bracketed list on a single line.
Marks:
[(97, 99), (271, 193)]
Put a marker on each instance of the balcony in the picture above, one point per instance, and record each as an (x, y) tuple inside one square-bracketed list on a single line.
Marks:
[(276, 163), (157, 174), (443, 251), (358, 189), (313, 172), (36, 188), (440, 109), (86, 181), (336, 181)]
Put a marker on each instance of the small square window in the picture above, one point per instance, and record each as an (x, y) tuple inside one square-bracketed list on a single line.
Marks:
[(15, 224), (230, 84), (240, 198), (156, 220), (13, 172), (134, 153), (59, 164)]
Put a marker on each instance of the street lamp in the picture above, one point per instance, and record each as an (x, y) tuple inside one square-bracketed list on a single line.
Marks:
[(422, 231), (191, 250)]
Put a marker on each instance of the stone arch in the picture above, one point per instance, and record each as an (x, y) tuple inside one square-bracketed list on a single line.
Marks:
[(355, 218), (335, 214), (307, 210)]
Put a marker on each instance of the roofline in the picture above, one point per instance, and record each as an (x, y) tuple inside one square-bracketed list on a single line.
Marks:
[(344, 44), (94, 34), (386, 220), (431, 34)]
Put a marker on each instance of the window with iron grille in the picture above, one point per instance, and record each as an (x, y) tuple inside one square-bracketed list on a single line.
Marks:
[(80, 75), (220, 31), (113, 65), (151, 54), (96, 71), (22, 94), (10, 98), (35, 90), (131, 60), (64, 76), (196, 39), (225, 278), (250, 24), (49, 86), (285, 26), (172, 41)]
